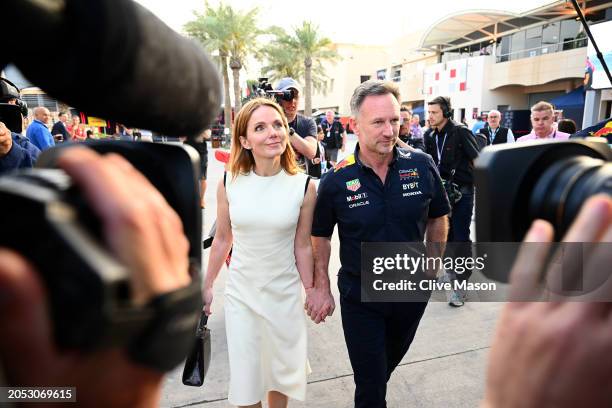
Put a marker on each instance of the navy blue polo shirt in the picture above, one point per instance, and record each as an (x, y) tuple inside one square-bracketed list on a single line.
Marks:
[(368, 210)]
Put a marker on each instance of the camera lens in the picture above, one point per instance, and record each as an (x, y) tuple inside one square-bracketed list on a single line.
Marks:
[(565, 186)]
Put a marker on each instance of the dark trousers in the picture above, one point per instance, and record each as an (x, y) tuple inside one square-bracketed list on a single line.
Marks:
[(377, 337), (460, 222)]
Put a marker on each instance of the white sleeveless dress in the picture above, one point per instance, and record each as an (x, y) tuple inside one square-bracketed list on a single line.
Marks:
[(264, 313)]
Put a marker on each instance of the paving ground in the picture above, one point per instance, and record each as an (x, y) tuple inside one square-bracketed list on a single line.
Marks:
[(443, 368)]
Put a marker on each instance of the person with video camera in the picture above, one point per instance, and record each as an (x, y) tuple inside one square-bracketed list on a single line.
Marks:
[(16, 151), (302, 129), (453, 148), (551, 350), (265, 206), (146, 235)]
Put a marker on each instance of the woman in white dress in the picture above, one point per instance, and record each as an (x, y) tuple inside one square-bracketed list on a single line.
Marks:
[(265, 207)]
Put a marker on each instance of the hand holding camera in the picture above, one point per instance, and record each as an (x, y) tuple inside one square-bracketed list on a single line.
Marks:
[(564, 342), (146, 235), (6, 140)]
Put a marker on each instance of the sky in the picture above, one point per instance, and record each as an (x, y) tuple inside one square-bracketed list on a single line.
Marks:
[(359, 22)]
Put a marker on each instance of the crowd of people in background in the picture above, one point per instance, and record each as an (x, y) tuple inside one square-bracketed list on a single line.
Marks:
[(43, 132), (282, 245)]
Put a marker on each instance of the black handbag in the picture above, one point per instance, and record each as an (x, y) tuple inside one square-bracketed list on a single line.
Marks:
[(198, 360)]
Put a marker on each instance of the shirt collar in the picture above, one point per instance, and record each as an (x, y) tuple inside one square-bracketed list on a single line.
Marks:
[(362, 165), (549, 136), (445, 129)]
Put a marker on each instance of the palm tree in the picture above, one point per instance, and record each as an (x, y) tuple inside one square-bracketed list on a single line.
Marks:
[(281, 62), (233, 35), (244, 34), (310, 47), (209, 30)]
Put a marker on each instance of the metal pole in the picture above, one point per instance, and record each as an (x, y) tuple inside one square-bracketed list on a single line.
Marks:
[(588, 31)]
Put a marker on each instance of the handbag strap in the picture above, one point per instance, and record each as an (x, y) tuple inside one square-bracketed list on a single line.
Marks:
[(203, 321)]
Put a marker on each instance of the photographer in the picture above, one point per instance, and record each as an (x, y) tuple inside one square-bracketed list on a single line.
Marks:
[(16, 151), (303, 138), (134, 215)]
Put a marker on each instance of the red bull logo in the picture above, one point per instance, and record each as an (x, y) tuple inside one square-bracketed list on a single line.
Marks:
[(346, 162), (604, 131)]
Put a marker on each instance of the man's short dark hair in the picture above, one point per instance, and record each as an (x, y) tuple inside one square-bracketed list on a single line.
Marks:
[(372, 87), (444, 103), (62, 113)]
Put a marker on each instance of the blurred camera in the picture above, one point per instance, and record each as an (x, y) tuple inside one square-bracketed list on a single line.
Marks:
[(10, 115), (88, 289), (520, 182)]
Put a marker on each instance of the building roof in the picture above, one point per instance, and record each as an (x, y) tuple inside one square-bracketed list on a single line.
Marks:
[(475, 26)]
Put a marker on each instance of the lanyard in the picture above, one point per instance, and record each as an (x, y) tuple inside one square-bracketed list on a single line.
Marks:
[(439, 149), (493, 134)]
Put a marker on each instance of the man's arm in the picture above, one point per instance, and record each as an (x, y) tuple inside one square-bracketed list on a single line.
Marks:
[(437, 229), (436, 235), (12, 156), (307, 145)]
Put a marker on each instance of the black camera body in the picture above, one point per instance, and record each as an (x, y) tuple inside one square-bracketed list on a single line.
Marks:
[(520, 182), (50, 223), (264, 89), (10, 115)]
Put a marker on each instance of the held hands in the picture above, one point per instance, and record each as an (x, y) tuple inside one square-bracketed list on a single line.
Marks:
[(319, 304)]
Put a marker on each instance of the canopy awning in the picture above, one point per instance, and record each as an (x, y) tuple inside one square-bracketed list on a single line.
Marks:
[(477, 26), (572, 99)]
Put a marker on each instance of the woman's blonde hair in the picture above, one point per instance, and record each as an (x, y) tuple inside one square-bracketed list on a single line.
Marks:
[(241, 160)]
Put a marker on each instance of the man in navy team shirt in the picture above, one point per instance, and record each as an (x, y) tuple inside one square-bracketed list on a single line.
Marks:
[(378, 194)]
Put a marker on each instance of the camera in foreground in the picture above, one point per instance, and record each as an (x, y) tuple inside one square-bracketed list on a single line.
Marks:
[(88, 289), (521, 182)]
